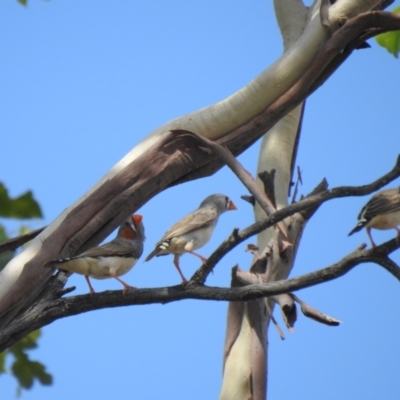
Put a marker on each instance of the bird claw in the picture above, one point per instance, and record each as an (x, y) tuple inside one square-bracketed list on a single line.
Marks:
[(128, 287)]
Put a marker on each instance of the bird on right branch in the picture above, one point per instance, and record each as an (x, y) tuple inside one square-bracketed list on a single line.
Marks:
[(382, 211), (193, 231)]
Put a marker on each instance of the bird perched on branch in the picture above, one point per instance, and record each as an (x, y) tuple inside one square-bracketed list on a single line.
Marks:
[(193, 231), (111, 259), (382, 211)]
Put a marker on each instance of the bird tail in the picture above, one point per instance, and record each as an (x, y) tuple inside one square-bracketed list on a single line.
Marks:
[(55, 263), (50, 264), (160, 248), (358, 227), (152, 254)]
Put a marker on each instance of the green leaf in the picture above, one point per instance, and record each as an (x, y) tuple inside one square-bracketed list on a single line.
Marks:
[(40, 373), (390, 40), (28, 342), (24, 206), (3, 235), (5, 258), (3, 356), (25, 370), (23, 2), (7, 255)]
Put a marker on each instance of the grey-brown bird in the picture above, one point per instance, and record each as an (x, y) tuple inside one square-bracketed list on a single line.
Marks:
[(193, 231), (111, 259), (382, 211)]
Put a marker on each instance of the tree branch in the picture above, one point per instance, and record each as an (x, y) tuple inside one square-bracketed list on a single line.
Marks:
[(314, 314), (245, 135), (313, 201), (245, 177), (18, 241), (388, 264), (50, 309)]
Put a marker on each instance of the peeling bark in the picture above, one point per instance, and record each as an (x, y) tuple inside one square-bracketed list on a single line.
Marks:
[(277, 156)]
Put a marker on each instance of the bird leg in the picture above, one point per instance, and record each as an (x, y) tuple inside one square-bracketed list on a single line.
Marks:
[(203, 259), (398, 233), (126, 286), (370, 237), (176, 263), (90, 285)]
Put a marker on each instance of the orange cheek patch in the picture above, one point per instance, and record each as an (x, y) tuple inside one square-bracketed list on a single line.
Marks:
[(128, 233)]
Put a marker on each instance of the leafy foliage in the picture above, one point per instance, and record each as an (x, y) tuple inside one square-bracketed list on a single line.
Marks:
[(24, 206), (391, 40), (25, 370), (23, 2), (7, 255), (22, 368)]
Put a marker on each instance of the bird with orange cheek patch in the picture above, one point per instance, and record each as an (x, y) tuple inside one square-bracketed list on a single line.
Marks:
[(109, 260), (193, 231), (382, 211)]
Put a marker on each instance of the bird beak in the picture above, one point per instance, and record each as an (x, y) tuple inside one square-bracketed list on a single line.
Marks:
[(136, 219), (231, 205)]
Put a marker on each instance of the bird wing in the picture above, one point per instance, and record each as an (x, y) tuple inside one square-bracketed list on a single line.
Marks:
[(194, 220), (382, 203), (125, 249)]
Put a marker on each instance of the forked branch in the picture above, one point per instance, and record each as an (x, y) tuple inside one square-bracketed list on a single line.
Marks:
[(310, 202), (52, 308)]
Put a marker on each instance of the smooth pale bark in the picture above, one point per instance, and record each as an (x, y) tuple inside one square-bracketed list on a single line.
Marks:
[(277, 153)]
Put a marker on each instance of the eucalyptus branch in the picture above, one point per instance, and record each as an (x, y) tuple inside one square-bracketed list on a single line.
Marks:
[(314, 314), (53, 307), (312, 201), (244, 176), (389, 265), (18, 241)]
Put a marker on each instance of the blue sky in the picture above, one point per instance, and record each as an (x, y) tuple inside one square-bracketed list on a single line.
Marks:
[(83, 81)]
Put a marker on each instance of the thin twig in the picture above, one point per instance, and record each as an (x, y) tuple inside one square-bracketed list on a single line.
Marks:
[(245, 177), (315, 314), (18, 241), (389, 265), (48, 310), (200, 276)]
